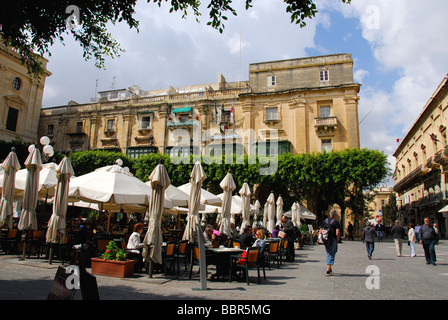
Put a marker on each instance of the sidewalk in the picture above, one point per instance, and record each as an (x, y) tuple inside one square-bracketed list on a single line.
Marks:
[(402, 278)]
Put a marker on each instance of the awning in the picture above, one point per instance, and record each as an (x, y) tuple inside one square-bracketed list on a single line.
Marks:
[(444, 209), (182, 110)]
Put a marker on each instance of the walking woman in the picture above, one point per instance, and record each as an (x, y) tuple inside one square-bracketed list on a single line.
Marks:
[(412, 239)]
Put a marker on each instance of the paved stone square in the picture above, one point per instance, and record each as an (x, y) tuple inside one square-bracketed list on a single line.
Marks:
[(401, 278)]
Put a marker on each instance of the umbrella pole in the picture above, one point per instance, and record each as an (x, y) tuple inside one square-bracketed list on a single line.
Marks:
[(109, 213), (50, 258)]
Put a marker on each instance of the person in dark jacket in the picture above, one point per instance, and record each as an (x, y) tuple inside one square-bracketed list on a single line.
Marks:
[(398, 233), (369, 235), (429, 238), (288, 227), (246, 239)]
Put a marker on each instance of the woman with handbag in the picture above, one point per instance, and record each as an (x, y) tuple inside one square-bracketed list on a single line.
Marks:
[(411, 239)]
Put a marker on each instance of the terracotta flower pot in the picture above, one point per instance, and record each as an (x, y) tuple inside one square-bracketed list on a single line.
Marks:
[(112, 268)]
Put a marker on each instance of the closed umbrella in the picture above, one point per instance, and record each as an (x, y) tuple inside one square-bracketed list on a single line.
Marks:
[(257, 207), (270, 202), (227, 185), (159, 181), (28, 219), (295, 214), (10, 167), (245, 205), (265, 215), (197, 177), (57, 222), (279, 209)]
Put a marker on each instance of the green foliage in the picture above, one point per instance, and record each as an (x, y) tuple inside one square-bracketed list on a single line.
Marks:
[(114, 253), (87, 161), (34, 26)]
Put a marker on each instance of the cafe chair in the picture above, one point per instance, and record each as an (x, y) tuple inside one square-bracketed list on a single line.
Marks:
[(169, 256), (253, 260), (181, 253), (273, 254), (235, 243), (9, 241), (283, 250), (195, 259), (36, 239)]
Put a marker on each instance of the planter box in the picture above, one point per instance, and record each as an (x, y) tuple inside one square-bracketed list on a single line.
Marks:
[(119, 269)]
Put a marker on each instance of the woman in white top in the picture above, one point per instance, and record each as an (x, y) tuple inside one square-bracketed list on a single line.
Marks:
[(134, 242), (412, 239)]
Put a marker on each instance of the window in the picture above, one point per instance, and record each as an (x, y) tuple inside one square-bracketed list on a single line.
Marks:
[(323, 75), (78, 127), (326, 145), (325, 111), (271, 80), (145, 122), (17, 83), (111, 125), (50, 129), (271, 114), (11, 121)]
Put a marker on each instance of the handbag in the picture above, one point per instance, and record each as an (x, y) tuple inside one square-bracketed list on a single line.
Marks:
[(282, 234)]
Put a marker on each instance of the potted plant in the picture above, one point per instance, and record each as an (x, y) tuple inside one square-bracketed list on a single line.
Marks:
[(113, 262)]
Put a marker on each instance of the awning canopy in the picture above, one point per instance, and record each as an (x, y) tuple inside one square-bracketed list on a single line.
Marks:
[(182, 110)]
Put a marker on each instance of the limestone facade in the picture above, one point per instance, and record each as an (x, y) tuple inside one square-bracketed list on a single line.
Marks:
[(300, 105), (422, 164), (20, 98)]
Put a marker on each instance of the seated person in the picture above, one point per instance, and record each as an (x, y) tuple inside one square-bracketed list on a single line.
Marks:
[(135, 245), (259, 242), (209, 236), (275, 231), (246, 239)]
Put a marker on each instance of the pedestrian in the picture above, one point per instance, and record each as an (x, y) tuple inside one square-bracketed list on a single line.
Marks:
[(332, 247), (417, 232), (351, 230), (288, 227), (398, 233), (429, 238), (369, 234), (412, 239), (379, 231)]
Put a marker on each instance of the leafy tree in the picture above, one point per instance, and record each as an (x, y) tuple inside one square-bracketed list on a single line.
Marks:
[(87, 161), (33, 26), (390, 210)]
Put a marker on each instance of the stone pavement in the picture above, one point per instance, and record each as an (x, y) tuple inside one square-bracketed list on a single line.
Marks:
[(401, 278)]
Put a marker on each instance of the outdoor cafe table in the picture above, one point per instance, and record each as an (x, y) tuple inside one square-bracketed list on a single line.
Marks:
[(223, 259), (270, 240)]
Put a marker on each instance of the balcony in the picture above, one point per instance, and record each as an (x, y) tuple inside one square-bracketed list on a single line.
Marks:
[(325, 126), (180, 124)]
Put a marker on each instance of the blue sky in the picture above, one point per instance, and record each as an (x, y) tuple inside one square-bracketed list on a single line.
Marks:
[(399, 55)]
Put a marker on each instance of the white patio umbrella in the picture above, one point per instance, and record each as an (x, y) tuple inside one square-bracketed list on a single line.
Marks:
[(9, 169), (159, 181), (279, 209), (245, 205), (47, 181), (227, 185), (207, 198), (112, 186), (197, 177), (305, 213), (28, 219), (265, 215), (257, 207), (270, 203), (57, 222), (177, 197)]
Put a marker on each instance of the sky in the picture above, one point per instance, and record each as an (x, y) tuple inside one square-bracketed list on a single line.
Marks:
[(399, 50)]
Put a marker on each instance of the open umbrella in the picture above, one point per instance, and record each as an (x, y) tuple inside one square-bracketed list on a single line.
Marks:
[(305, 213), (279, 210), (228, 185), (159, 181), (57, 222), (175, 195), (46, 185), (9, 168), (197, 177), (270, 203), (245, 205), (112, 186), (207, 198), (28, 219)]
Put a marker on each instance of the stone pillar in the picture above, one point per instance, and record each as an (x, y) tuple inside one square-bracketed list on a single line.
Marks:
[(352, 121), (300, 137), (249, 134)]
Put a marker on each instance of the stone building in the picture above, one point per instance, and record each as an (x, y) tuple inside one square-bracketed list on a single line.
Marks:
[(300, 105), (422, 164), (20, 98)]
